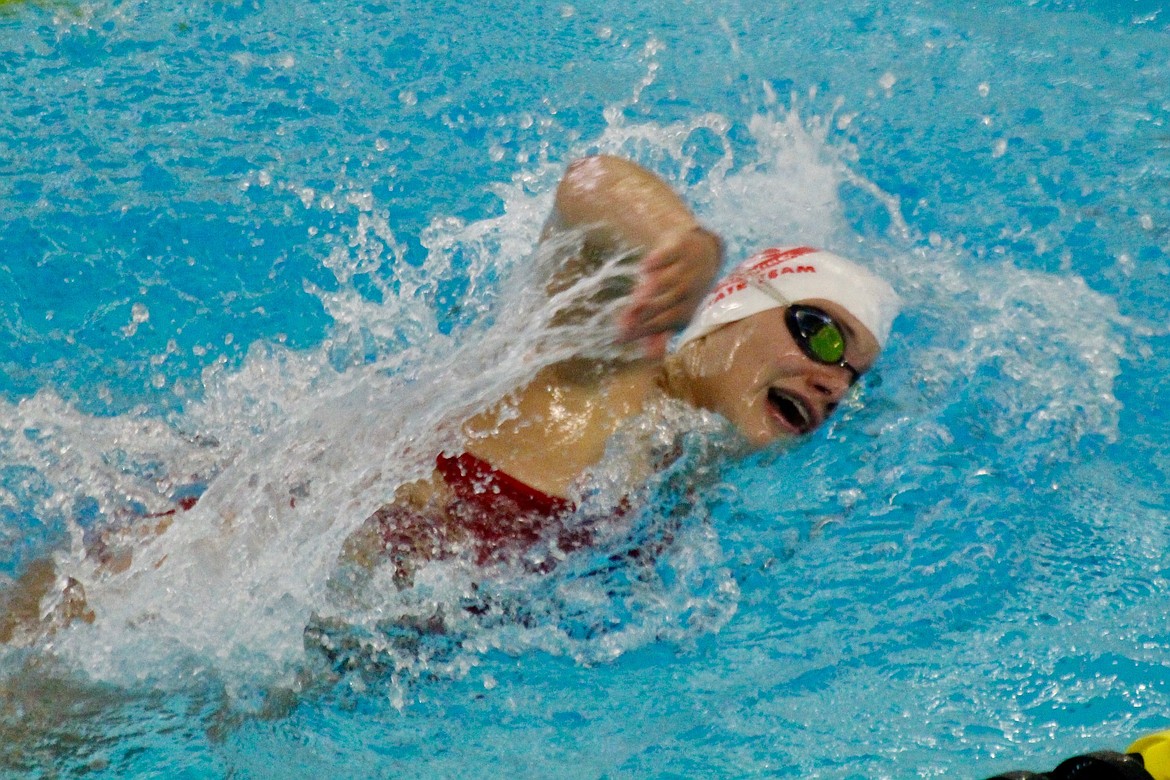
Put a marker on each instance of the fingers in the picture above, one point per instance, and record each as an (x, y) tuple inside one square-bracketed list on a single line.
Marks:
[(652, 299), (673, 278), (695, 253), (639, 321), (654, 347)]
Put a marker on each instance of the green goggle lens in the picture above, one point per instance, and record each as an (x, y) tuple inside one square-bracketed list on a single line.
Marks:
[(827, 343), (819, 336)]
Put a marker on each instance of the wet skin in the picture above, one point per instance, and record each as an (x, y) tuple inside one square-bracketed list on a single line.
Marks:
[(753, 373), (548, 432)]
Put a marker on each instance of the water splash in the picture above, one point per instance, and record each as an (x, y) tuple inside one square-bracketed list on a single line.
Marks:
[(298, 447)]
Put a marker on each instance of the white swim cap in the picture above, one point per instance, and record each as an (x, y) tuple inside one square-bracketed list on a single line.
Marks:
[(797, 274)]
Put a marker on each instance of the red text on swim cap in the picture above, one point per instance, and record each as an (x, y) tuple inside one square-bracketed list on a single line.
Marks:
[(768, 264)]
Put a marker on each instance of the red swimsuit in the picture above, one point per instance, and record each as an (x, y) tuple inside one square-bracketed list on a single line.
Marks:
[(500, 513), (494, 506)]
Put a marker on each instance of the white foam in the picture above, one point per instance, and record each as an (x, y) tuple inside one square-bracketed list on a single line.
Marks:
[(309, 443)]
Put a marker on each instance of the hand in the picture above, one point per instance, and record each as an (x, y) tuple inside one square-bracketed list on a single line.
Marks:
[(673, 277)]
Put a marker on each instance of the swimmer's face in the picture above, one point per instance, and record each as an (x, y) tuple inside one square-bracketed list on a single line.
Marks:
[(755, 374)]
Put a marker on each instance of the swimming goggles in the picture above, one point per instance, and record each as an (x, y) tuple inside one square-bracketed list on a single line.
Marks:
[(814, 330)]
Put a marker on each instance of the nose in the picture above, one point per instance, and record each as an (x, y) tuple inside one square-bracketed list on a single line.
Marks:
[(832, 382)]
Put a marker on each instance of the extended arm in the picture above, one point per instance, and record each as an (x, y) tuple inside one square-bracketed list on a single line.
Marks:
[(621, 205)]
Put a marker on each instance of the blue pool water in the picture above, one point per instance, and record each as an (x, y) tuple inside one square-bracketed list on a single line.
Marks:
[(272, 250)]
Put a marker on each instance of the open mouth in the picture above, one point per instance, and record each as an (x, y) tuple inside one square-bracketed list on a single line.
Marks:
[(791, 410)]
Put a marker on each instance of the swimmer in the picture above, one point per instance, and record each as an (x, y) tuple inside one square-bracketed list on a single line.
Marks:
[(773, 348)]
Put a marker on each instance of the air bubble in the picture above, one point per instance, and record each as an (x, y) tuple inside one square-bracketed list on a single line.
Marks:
[(138, 315)]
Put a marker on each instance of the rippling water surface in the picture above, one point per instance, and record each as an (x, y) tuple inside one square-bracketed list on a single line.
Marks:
[(271, 253)]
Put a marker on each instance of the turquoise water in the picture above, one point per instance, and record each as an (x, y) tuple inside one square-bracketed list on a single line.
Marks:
[(271, 250)]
